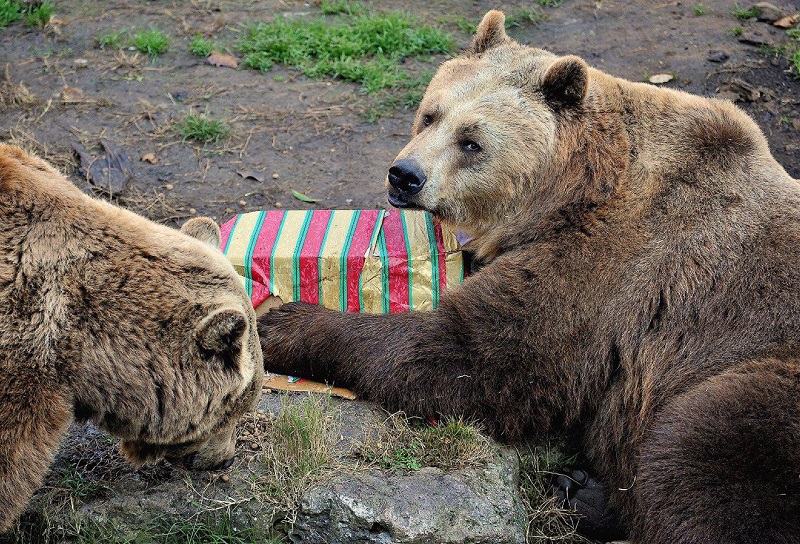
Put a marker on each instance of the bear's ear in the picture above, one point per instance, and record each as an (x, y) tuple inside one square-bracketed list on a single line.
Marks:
[(221, 331), (566, 82), (204, 229), (491, 32)]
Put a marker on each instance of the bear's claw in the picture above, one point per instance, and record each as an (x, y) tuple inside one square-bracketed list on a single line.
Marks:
[(589, 498)]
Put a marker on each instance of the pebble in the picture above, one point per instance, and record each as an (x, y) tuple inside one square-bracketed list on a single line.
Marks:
[(169, 186), (718, 56), (225, 478), (275, 176), (278, 205), (254, 446), (192, 211), (242, 203)]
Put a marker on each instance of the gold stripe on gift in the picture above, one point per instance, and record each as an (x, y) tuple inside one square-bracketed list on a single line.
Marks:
[(419, 260), (330, 258), (240, 240)]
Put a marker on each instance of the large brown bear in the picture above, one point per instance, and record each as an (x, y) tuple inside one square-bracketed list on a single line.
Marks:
[(640, 289), (107, 316)]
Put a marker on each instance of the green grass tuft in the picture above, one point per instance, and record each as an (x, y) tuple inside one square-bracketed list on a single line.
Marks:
[(39, 15), (736, 31), (111, 40), (201, 128), (365, 49), (341, 7), (524, 17), (699, 10), (10, 11), (745, 13), (550, 3), (153, 42), (200, 46)]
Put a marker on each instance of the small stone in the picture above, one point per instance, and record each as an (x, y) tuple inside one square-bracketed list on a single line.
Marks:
[(718, 56), (149, 157), (278, 205), (80, 63), (192, 211), (768, 13), (169, 186), (788, 22), (242, 203), (796, 124), (254, 446), (658, 79), (275, 176), (225, 478)]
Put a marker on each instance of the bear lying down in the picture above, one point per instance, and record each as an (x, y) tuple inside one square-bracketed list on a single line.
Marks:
[(640, 290), (108, 316)]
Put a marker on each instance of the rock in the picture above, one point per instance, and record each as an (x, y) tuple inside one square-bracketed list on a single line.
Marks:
[(768, 13), (718, 56), (90, 484), (756, 39), (788, 22), (475, 506)]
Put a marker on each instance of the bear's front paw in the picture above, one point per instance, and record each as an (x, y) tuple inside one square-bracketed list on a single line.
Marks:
[(589, 498), (289, 336)]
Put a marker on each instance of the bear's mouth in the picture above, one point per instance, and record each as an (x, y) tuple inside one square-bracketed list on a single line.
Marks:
[(398, 200)]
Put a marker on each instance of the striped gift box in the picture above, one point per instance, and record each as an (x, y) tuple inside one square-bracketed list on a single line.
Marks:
[(372, 261)]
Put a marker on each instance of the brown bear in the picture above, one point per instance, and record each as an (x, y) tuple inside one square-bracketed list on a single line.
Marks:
[(107, 316), (640, 289)]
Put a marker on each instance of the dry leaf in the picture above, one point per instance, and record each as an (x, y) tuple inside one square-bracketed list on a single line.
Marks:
[(250, 174), (787, 22), (149, 157), (72, 95), (661, 78), (221, 59)]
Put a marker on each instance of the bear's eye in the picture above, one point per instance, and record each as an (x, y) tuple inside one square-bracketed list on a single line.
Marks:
[(470, 147), (427, 120)]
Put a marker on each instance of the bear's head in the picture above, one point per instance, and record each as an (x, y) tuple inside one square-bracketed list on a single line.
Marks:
[(208, 369), (485, 132)]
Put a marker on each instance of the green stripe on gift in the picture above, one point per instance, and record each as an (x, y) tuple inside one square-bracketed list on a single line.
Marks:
[(435, 287), (384, 271)]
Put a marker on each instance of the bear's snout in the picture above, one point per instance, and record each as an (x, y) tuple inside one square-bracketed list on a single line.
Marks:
[(407, 176)]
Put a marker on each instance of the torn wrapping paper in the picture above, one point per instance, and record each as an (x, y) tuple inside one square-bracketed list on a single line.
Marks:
[(372, 261)]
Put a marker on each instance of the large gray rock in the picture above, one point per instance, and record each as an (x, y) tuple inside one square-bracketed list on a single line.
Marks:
[(90, 485), (429, 506)]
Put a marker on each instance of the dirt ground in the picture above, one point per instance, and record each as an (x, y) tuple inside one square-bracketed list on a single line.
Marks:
[(291, 132)]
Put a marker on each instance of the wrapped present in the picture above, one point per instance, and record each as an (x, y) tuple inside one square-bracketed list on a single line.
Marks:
[(372, 261)]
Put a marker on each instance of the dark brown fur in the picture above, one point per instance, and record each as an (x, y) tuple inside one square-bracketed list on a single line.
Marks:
[(642, 292), (107, 316)]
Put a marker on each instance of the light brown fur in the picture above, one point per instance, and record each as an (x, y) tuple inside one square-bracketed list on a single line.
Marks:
[(110, 317)]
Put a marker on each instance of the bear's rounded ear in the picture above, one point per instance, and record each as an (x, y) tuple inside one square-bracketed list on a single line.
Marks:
[(204, 229), (491, 32), (221, 331), (566, 82)]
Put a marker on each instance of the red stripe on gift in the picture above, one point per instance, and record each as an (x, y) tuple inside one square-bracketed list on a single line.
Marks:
[(225, 232), (356, 256), (398, 261), (309, 256), (261, 253)]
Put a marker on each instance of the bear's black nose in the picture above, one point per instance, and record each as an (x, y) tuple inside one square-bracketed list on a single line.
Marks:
[(406, 176)]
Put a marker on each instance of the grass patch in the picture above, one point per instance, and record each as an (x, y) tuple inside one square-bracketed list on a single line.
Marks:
[(111, 40), (736, 31), (200, 46), (699, 10), (296, 451), (406, 446), (39, 15), (201, 128), (745, 13), (35, 14), (341, 7), (524, 16), (550, 3), (10, 11), (546, 520), (365, 49), (153, 41)]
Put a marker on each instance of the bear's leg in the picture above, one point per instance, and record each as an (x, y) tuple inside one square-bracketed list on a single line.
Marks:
[(722, 462), (32, 425)]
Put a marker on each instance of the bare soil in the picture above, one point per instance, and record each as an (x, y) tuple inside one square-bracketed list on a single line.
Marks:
[(58, 87)]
